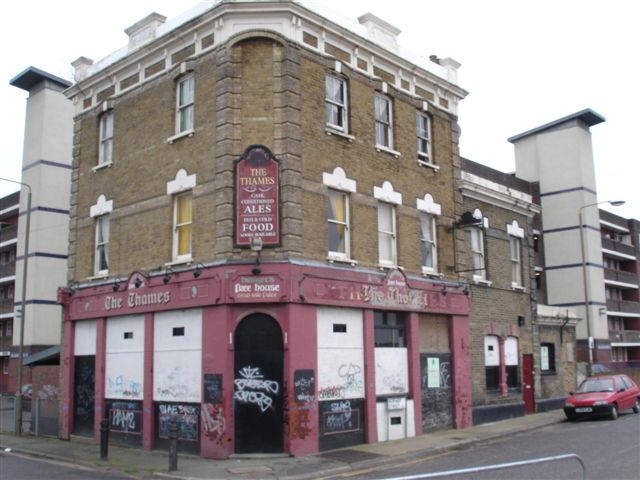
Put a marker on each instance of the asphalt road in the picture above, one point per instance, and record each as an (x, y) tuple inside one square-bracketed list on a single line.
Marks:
[(19, 467), (609, 449)]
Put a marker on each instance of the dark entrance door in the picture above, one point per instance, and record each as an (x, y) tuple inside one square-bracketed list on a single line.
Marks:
[(258, 394), (527, 383), (84, 394)]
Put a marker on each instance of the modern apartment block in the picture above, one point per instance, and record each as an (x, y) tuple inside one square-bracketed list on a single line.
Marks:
[(621, 259), (9, 206), (46, 169), (590, 256)]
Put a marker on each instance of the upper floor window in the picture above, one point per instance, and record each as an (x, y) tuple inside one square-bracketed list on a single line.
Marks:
[(477, 253), (516, 271), (338, 218), (105, 154), (423, 134), (184, 104), (101, 262), (384, 122), (428, 247), (182, 225), (387, 234), (336, 110)]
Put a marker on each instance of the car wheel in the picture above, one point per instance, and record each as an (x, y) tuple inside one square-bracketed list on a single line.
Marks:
[(614, 412), (636, 407), (571, 418)]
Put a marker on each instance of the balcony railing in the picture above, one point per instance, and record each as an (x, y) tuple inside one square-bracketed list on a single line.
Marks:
[(624, 336), (8, 269), (6, 305), (623, 306), (8, 233), (618, 246), (621, 276)]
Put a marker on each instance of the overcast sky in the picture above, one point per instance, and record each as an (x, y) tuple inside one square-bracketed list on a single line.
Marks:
[(524, 63)]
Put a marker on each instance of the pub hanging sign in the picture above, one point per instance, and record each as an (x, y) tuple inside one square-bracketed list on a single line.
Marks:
[(257, 205)]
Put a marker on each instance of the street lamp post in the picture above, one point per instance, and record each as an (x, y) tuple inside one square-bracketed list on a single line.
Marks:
[(18, 419), (615, 203)]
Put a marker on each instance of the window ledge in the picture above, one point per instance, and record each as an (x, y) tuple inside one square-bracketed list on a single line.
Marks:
[(517, 288), (100, 166), (424, 163), (177, 136), (547, 373), (179, 261), (384, 266), (429, 272), (481, 281), (334, 131), (390, 151), (98, 276), (334, 259)]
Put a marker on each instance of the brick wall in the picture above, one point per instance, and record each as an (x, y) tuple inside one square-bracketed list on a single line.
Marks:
[(246, 93)]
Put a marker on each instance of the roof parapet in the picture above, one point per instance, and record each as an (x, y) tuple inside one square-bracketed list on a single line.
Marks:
[(80, 66), (144, 30), (380, 31)]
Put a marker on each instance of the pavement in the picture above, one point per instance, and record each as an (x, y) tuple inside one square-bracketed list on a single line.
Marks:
[(137, 463)]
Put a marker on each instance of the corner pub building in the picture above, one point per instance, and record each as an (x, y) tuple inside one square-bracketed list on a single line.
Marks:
[(265, 236)]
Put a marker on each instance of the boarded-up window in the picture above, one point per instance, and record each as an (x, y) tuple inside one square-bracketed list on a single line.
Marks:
[(106, 93), (383, 74), (153, 69), (183, 53), (310, 39), (362, 64), (129, 81), (206, 41), (421, 92), (337, 52), (87, 102)]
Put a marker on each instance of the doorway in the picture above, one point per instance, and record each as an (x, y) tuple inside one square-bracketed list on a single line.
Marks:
[(527, 383), (258, 387), (84, 394)]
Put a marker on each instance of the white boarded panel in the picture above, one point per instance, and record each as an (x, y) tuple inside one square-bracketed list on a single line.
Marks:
[(392, 371), (491, 351), (84, 342), (339, 328), (511, 351), (125, 334), (123, 375), (177, 358), (124, 357), (165, 323), (176, 376), (340, 373)]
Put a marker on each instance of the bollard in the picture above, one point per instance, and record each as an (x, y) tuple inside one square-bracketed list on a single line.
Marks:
[(104, 439), (173, 446)]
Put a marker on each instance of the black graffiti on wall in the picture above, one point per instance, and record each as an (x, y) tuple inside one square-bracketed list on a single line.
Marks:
[(213, 388), (125, 417), (187, 416), (304, 385), (436, 401)]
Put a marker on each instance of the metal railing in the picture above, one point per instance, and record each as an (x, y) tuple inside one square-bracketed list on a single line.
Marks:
[(621, 276), (500, 466), (40, 415), (624, 336), (8, 233), (624, 306), (619, 247)]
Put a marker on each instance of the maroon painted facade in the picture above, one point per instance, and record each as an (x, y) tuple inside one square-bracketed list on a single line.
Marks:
[(290, 294)]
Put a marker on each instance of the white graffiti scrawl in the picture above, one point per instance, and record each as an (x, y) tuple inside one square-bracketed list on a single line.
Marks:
[(253, 388)]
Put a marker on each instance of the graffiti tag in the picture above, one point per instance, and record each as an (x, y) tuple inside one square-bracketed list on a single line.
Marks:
[(253, 388)]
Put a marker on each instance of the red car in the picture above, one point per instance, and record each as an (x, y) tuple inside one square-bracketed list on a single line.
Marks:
[(606, 395)]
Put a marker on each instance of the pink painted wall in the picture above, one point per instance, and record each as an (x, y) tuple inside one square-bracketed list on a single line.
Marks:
[(148, 416), (301, 352), (415, 379), (216, 429), (370, 414), (461, 370), (68, 372), (99, 405)]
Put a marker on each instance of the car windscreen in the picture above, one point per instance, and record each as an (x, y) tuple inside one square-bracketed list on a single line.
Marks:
[(596, 385)]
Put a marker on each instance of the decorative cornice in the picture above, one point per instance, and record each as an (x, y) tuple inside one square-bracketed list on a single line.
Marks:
[(516, 203)]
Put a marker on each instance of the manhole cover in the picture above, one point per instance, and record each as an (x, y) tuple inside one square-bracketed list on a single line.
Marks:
[(349, 455)]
